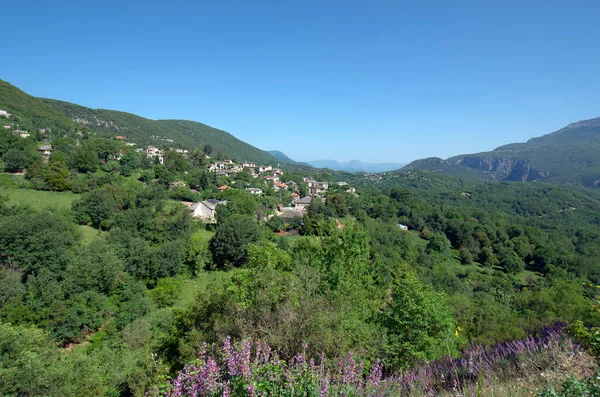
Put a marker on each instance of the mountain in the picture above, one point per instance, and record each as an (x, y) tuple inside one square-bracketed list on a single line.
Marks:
[(570, 155), (281, 156), (355, 166), (32, 113)]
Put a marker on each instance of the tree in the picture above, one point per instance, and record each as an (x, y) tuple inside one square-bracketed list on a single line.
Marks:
[(230, 243), (175, 162), (512, 263), (14, 160), (57, 177), (419, 325), (338, 203), (95, 267), (208, 150), (94, 207), (84, 160)]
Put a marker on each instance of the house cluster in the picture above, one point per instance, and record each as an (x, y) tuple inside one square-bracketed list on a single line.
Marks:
[(152, 152), (297, 209), (315, 188), (21, 133), (230, 168)]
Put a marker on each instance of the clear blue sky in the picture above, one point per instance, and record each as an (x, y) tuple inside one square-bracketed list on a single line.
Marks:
[(372, 80)]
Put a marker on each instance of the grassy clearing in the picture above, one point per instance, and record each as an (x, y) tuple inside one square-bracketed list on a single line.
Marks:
[(12, 181), (39, 199), (88, 234), (193, 287), (202, 236)]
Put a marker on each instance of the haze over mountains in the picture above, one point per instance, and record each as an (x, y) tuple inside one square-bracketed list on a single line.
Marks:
[(355, 166)]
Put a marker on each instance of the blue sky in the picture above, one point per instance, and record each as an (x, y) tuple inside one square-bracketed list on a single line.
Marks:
[(371, 80)]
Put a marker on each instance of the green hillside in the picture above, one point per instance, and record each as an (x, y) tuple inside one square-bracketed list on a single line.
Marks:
[(31, 113), (570, 155), (183, 133), (281, 156)]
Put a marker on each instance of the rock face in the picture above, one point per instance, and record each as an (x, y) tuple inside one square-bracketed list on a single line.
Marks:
[(570, 155), (503, 169)]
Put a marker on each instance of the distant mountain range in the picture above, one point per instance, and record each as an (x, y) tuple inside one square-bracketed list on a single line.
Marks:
[(355, 166), (351, 166), (570, 155), (66, 118)]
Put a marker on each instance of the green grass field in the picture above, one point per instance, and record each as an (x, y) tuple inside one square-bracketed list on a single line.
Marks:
[(192, 287), (39, 199), (89, 234)]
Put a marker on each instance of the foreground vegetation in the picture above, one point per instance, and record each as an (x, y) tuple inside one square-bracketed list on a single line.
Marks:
[(108, 286)]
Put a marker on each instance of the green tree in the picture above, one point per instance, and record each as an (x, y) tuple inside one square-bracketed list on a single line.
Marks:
[(94, 207), (175, 162), (14, 160), (338, 203), (229, 245), (419, 325), (84, 159)]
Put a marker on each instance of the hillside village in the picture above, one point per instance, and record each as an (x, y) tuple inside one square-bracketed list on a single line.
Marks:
[(288, 195)]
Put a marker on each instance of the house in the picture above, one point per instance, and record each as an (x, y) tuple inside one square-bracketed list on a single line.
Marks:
[(315, 188), (351, 190), (289, 215), (120, 137), (224, 187), (295, 196), (176, 184), (4, 113), (42, 130), (45, 151), (206, 210), (21, 133), (265, 168), (308, 179), (277, 171), (301, 204), (217, 166), (152, 151), (7, 126), (402, 227), (254, 190), (342, 183), (248, 165)]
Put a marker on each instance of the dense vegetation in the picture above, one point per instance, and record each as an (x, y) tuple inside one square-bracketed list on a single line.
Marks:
[(112, 288)]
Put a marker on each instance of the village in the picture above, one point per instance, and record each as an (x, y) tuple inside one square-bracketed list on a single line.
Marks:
[(265, 180)]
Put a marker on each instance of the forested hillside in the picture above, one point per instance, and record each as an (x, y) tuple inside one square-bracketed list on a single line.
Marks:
[(58, 117), (569, 156)]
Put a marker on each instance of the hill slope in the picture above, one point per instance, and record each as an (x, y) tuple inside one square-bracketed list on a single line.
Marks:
[(183, 133), (32, 113), (570, 155), (281, 156)]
